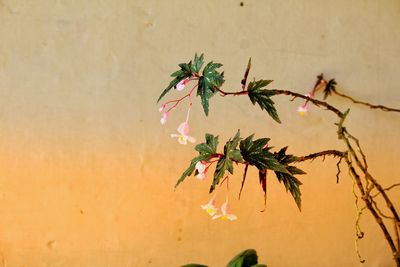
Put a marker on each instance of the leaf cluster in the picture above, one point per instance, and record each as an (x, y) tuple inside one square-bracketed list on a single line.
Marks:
[(207, 81), (249, 152)]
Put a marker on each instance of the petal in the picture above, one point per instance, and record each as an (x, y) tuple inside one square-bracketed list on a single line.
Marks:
[(175, 135), (164, 118), (216, 216), (200, 167), (200, 176), (183, 128), (191, 139)]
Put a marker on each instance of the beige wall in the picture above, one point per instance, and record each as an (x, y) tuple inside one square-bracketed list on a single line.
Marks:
[(87, 171)]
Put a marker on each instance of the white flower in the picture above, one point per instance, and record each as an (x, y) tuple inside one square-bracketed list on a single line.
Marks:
[(181, 85), (210, 207), (164, 117), (302, 110), (183, 131), (225, 213), (201, 169)]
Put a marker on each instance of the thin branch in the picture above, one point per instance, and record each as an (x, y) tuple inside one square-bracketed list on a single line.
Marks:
[(338, 168), (372, 106), (386, 189), (334, 153)]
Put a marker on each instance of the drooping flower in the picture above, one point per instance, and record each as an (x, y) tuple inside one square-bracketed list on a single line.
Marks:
[(225, 213), (302, 110), (201, 168), (181, 85), (183, 137), (164, 117), (210, 207), (162, 108)]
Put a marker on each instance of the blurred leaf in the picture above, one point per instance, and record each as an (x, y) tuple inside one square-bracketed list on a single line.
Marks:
[(244, 80), (329, 88), (194, 265), (262, 97), (246, 258)]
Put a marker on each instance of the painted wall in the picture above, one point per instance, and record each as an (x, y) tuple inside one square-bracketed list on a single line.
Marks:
[(87, 171)]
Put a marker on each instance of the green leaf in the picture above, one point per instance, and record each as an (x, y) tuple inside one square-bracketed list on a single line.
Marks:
[(262, 97), (292, 184), (194, 265), (246, 258), (206, 151), (209, 147), (208, 82), (191, 168), (225, 163), (262, 175), (329, 88), (256, 153), (186, 70), (197, 63)]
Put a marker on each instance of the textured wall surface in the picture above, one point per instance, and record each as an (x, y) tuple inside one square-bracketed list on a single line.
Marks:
[(87, 171)]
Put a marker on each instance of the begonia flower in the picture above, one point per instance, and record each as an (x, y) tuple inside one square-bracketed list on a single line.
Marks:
[(164, 117), (181, 85), (210, 207), (225, 213), (201, 168), (183, 137)]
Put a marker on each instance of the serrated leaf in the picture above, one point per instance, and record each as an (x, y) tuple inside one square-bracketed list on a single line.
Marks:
[(206, 151), (255, 153), (209, 147), (262, 176), (246, 258), (183, 73), (197, 63), (246, 73), (291, 183), (262, 97), (329, 88), (223, 164), (208, 82)]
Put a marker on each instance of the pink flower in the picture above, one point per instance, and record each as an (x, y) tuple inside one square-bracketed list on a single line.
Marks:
[(225, 213), (181, 85), (302, 110), (210, 207), (164, 117), (201, 167), (183, 131), (162, 107)]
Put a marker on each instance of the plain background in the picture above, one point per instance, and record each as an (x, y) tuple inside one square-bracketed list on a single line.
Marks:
[(87, 171)]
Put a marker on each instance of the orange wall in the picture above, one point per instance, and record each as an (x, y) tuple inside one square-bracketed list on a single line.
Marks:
[(87, 171)]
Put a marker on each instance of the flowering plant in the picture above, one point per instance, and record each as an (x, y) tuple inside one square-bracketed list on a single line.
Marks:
[(257, 153)]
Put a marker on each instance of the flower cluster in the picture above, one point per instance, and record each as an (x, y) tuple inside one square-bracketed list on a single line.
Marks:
[(212, 210), (166, 108)]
